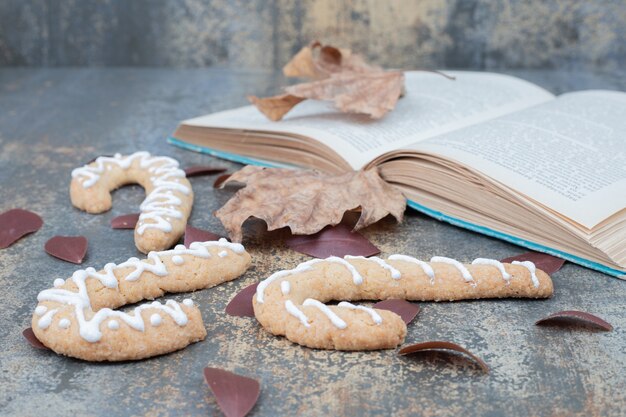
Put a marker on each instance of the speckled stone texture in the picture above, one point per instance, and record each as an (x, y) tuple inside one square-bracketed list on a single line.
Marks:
[(56, 119), (266, 33)]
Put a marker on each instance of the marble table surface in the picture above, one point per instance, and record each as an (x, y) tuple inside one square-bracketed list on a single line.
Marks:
[(52, 120)]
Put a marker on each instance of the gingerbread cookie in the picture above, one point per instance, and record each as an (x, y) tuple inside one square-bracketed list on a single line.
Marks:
[(168, 201), (291, 303), (76, 317)]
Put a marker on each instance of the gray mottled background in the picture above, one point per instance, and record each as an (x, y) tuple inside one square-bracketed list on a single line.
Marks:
[(484, 34)]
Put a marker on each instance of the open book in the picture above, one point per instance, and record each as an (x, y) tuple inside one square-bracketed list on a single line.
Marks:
[(488, 152)]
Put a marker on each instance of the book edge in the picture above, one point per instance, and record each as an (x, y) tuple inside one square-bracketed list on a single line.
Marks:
[(517, 241), (423, 209), (226, 155)]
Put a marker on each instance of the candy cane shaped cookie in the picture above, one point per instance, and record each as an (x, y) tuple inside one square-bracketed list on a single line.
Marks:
[(168, 201), (291, 303), (77, 317)]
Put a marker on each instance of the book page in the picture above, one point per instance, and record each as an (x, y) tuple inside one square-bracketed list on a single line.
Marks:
[(568, 154), (431, 106)]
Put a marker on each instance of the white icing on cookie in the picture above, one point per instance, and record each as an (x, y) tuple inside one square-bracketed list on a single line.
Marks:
[(285, 289), (59, 282), (156, 267), (285, 285), (156, 320), (395, 274), (531, 268), (64, 323), (188, 302), (45, 321), (294, 311), (260, 289), (428, 270), (334, 318), (222, 254), (161, 205), (41, 310), (458, 265), (113, 324), (89, 174), (356, 277), (89, 328), (373, 314), (484, 261), (306, 266), (177, 260), (198, 249)]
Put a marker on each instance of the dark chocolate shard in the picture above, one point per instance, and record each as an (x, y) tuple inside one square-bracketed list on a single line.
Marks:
[(96, 157), (193, 234), (220, 180), (126, 221), (30, 337), (442, 346), (569, 317), (68, 248), (547, 263), (337, 240), (17, 223), (235, 394), (198, 170), (406, 310), (241, 304)]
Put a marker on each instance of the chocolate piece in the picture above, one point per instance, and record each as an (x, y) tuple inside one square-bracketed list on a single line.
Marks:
[(68, 248), (220, 180), (406, 310), (235, 394), (444, 347), (566, 317), (30, 337), (337, 240), (17, 223), (198, 170), (193, 234), (94, 158), (126, 221), (547, 263), (241, 304)]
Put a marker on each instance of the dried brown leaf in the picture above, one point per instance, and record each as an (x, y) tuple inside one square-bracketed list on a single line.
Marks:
[(339, 60), (339, 76), (302, 65), (274, 108), (306, 201), (371, 93), (317, 61)]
